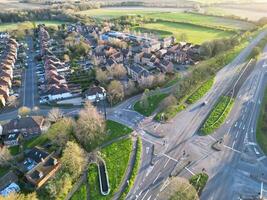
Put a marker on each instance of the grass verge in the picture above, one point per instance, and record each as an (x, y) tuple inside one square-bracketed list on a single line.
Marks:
[(116, 130), (200, 92), (80, 194), (261, 133), (217, 115), (135, 169), (153, 102), (117, 157)]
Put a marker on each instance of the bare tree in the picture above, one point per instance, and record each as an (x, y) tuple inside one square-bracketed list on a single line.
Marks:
[(24, 111), (117, 71), (168, 101), (146, 82), (73, 159), (54, 115), (101, 76), (130, 88), (115, 92), (5, 156), (90, 127)]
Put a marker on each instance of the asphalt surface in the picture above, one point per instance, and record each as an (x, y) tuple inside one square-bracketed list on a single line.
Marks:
[(29, 82)]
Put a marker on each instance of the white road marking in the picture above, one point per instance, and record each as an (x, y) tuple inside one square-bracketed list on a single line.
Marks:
[(166, 163), (156, 178), (233, 144), (236, 134), (145, 195), (190, 171), (232, 149), (212, 137), (170, 157)]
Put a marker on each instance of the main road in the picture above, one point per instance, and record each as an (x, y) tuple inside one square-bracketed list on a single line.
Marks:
[(182, 142)]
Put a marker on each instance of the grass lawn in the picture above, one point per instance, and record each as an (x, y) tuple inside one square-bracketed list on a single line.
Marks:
[(200, 92), (153, 102), (196, 34), (3, 171), (135, 169), (117, 157), (116, 130), (199, 181), (14, 150), (13, 26), (217, 115), (80, 194), (261, 134)]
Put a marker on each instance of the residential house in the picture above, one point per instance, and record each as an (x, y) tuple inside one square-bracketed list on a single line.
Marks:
[(95, 93), (165, 66), (27, 126), (40, 166), (137, 72), (12, 139)]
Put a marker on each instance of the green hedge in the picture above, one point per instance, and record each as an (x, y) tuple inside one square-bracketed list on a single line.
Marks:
[(199, 181), (200, 92), (169, 112), (261, 134), (217, 115)]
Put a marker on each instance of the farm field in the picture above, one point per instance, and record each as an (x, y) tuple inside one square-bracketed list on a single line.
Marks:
[(210, 21), (196, 34), (13, 26), (111, 13)]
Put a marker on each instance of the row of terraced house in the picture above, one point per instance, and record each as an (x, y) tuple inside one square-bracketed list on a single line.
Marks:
[(8, 56), (55, 86)]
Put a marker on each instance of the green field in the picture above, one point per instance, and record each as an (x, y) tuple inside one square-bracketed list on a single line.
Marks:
[(14, 26), (117, 157), (111, 13), (261, 134), (210, 21), (218, 115), (195, 34)]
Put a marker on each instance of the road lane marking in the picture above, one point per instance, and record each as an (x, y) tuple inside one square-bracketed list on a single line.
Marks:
[(166, 163), (145, 195), (170, 157), (190, 171), (233, 144), (149, 197), (232, 149), (164, 185), (236, 134), (212, 137), (261, 158), (156, 178)]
